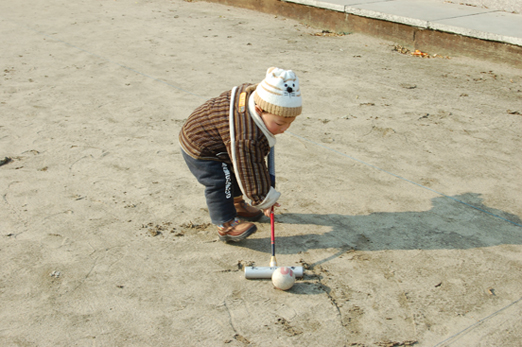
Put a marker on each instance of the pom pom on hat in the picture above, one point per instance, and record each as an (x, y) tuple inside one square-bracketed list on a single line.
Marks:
[(279, 93)]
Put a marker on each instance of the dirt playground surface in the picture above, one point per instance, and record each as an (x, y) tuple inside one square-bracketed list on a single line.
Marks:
[(401, 185)]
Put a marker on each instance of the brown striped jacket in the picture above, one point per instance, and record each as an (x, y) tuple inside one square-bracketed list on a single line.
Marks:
[(206, 136)]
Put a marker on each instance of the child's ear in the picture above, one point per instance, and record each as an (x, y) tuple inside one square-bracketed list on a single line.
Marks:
[(259, 111)]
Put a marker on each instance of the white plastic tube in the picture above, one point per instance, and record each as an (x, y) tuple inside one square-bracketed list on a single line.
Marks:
[(255, 272)]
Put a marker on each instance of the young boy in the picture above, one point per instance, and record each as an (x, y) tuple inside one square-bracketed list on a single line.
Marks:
[(225, 142)]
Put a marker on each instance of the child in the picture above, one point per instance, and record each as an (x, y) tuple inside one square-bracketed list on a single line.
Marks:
[(225, 142)]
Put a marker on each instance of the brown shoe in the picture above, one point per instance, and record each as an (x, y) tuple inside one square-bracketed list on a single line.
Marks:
[(235, 230), (245, 211)]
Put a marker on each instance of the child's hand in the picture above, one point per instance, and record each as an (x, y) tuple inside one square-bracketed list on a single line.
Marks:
[(266, 211)]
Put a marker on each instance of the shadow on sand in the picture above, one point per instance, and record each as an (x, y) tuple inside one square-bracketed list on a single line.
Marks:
[(449, 224)]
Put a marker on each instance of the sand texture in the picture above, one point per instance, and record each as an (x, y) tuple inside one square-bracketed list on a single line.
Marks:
[(401, 185)]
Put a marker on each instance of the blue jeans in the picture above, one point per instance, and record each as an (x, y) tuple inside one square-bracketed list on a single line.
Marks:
[(220, 187)]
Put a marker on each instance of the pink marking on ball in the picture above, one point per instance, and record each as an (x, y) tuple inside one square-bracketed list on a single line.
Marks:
[(286, 271)]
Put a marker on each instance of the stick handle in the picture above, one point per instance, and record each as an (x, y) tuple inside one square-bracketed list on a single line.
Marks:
[(273, 261), (271, 171), (271, 166)]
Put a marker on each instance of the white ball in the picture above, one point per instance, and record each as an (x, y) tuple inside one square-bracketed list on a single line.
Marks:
[(283, 278)]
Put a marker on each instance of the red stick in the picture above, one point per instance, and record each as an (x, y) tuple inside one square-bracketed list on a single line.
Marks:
[(273, 261)]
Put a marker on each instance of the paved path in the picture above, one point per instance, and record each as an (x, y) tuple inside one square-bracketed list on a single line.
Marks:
[(475, 22)]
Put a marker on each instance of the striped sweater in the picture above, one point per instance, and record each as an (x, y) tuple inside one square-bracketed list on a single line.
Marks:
[(206, 136)]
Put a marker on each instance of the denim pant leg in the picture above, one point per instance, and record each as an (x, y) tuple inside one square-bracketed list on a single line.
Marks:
[(236, 190), (217, 177)]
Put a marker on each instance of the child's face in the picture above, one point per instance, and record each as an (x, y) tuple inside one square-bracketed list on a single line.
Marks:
[(275, 124)]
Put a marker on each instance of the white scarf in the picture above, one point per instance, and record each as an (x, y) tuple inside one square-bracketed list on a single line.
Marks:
[(273, 195), (259, 122)]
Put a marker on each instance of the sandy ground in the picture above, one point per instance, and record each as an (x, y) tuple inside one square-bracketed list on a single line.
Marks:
[(401, 186)]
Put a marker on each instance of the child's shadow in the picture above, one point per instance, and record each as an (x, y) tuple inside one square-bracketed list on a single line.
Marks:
[(449, 224)]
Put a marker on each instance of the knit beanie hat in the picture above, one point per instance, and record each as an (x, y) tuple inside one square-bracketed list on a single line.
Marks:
[(279, 93)]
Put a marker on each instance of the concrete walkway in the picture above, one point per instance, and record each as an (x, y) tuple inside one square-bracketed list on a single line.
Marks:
[(432, 26), (475, 22)]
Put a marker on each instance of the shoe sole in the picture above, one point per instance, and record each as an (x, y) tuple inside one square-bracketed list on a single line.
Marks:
[(238, 238)]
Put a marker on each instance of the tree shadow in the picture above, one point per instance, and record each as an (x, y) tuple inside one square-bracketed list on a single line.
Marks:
[(460, 222)]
